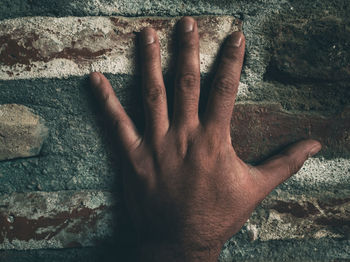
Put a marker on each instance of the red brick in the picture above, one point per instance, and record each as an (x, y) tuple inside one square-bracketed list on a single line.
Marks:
[(260, 129)]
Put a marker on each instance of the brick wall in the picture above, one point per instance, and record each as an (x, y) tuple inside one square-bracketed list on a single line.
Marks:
[(59, 182)]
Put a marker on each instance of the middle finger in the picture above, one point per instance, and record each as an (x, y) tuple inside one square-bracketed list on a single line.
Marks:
[(187, 85)]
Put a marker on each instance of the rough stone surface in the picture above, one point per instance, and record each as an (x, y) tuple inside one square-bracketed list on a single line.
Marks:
[(83, 218), (240, 249), (261, 18), (300, 217), (91, 254), (15, 8), (76, 154), (66, 47), (22, 133), (54, 219), (295, 57), (325, 250), (59, 47)]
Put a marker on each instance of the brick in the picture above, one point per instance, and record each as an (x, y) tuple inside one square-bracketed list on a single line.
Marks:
[(260, 129), (311, 50), (301, 217), (59, 47), (22, 133), (54, 219)]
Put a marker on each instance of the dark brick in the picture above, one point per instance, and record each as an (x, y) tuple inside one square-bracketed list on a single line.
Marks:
[(311, 50), (259, 130)]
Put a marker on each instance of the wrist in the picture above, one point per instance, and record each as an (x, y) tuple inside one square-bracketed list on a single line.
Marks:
[(178, 252)]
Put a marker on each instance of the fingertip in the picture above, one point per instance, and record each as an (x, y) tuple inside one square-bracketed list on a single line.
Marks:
[(95, 78), (309, 147), (148, 30), (187, 24), (237, 39), (187, 18), (315, 147), (148, 36)]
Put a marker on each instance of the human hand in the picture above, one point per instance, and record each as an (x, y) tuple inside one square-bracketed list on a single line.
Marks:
[(185, 188)]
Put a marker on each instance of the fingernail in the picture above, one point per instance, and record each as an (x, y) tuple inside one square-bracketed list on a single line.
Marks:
[(236, 39), (147, 37), (315, 149), (187, 24), (95, 78)]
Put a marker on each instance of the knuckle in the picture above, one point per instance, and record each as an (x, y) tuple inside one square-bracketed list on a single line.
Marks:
[(188, 81), (154, 93), (225, 86), (140, 168)]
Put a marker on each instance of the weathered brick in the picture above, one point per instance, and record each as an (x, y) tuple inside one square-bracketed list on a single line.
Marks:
[(60, 47), (260, 129), (84, 218), (54, 219), (301, 217), (22, 133)]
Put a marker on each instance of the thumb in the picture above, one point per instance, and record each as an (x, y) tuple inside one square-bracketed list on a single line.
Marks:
[(280, 167)]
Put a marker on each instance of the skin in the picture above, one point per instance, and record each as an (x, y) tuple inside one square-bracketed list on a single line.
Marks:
[(186, 190)]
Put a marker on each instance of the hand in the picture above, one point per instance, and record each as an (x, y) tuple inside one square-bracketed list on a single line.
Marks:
[(185, 188)]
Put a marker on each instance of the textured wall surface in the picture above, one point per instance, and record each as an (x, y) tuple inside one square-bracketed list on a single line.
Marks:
[(59, 178)]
